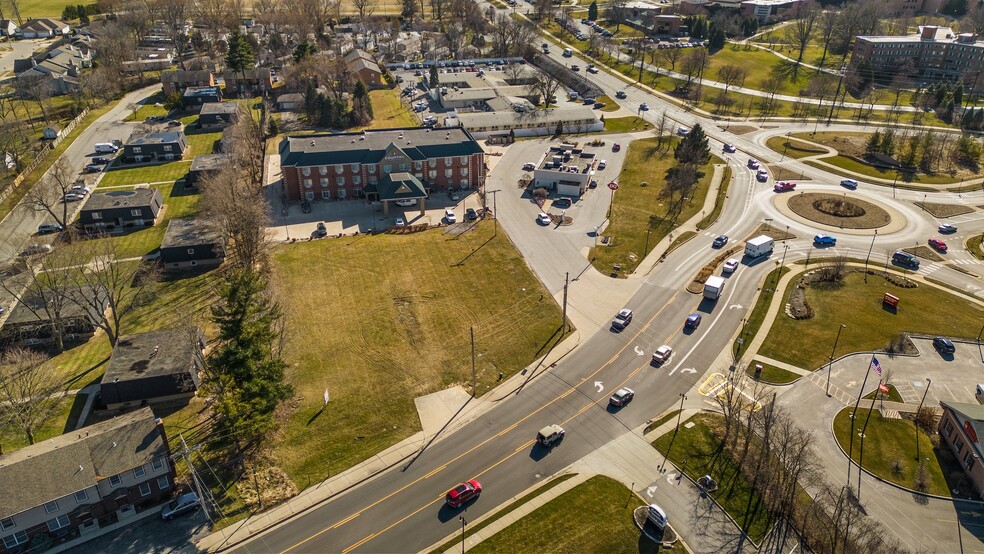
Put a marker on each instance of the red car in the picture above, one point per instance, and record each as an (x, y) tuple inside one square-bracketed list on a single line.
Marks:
[(463, 493), (784, 186), (938, 244), (616, 147)]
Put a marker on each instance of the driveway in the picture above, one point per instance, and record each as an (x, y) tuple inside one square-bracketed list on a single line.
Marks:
[(152, 536), (19, 49)]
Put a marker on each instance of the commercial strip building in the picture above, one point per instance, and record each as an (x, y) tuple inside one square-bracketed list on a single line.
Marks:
[(565, 169), (962, 429), (530, 123), (355, 165), (935, 52)]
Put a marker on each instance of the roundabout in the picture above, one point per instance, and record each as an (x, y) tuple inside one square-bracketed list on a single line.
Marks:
[(841, 212)]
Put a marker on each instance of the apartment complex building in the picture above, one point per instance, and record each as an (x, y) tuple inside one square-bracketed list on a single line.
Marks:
[(935, 52), (353, 165)]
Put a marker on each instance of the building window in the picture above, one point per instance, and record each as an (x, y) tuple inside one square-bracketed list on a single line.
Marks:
[(948, 426), (58, 523), (136, 149), (305, 171), (355, 167), (158, 464), (162, 482), (81, 496), (97, 215), (7, 523), (356, 192), (51, 507), (387, 168), (464, 183), (116, 480), (323, 170), (324, 182), (326, 195), (340, 181), (372, 180), (144, 489), (464, 160), (371, 168), (463, 171), (135, 213), (418, 165), (309, 196), (339, 169), (432, 162), (19, 537), (404, 167), (447, 173), (307, 183), (958, 444), (356, 180), (447, 161), (167, 147), (432, 174), (139, 471)]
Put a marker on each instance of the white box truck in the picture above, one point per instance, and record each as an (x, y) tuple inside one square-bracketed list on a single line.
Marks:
[(713, 287), (759, 246), (106, 148)]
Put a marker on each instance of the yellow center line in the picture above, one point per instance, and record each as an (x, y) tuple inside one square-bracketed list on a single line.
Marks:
[(479, 445)]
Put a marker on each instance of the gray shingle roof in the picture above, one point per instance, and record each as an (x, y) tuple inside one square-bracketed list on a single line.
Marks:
[(120, 198), (159, 352), (188, 231), (416, 142), (74, 461)]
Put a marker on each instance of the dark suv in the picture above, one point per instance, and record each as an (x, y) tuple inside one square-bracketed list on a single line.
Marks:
[(944, 345)]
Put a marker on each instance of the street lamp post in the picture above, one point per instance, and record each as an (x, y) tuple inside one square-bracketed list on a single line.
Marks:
[(873, 237), (741, 340), (645, 252), (831, 360), (463, 522), (679, 416), (919, 409), (784, 147)]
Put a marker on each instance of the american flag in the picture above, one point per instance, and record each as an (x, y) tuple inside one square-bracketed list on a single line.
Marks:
[(875, 365)]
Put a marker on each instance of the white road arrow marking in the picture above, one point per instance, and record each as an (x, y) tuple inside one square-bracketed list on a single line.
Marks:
[(639, 351), (735, 307), (688, 370), (600, 387), (651, 491)]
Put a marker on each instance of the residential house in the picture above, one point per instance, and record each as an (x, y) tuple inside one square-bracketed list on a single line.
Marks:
[(196, 96), (156, 147), (249, 82), (362, 66), (33, 318), (290, 102), (156, 367), (962, 429), (216, 115), (60, 67), (115, 212), (350, 165), (203, 166), (8, 28), (178, 81), (44, 28), (72, 488), (189, 243)]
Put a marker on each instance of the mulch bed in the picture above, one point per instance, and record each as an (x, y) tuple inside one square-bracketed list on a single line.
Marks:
[(874, 216)]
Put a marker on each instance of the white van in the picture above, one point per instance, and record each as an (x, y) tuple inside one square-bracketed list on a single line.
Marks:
[(980, 393), (568, 52), (106, 148)]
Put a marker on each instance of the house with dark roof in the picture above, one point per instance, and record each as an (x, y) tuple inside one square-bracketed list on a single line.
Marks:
[(44, 28), (8, 28), (190, 242), (352, 165), (251, 81), (962, 429), (216, 115), (196, 96), (60, 67), (203, 166), (292, 101), (117, 211), (156, 147), (362, 66), (178, 81), (32, 321), (156, 367), (72, 488)]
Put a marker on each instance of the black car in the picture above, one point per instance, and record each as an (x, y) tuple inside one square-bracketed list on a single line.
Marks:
[(720, 241), (101, 161), (471, 214), (944, 345), (322, 230), (93, 168), (306, 207)]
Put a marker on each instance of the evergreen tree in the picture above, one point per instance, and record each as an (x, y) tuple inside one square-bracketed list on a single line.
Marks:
[(887, 145), (693, 149), (245, 374), (560, 129), (434, 80), (69, 13), (874, 143), (958, 94), (593, 10), (361, 106), (717, 38), (83, 13), (311, 103), (409, 10), (303, 50), (239, 55), (749, 26), (273, 127)]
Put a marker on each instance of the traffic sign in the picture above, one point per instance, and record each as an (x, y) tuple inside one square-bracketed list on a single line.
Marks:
[(613, 185)]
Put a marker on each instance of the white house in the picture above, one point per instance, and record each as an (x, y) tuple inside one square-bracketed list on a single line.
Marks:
[(44, 28)]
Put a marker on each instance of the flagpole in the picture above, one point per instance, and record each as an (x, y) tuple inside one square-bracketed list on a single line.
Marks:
[(850, 448), (863, 429)]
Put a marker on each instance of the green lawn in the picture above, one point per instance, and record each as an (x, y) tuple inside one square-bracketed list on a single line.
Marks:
[(388, 111), (890, 449), (201, 141), (379, 320), (836, 171), (595, 516), (892, 396), (793, 148), (761, 65), (771, 373), (924, 310), (625, 124), (13, 438), (754, 320), (42, 8), (974, 246), (722, 195), (119, 175), (634, 204), (694, 451), (850, 164)]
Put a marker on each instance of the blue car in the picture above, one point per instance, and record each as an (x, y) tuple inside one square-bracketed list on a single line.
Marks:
[(824, 240), (693, 321)]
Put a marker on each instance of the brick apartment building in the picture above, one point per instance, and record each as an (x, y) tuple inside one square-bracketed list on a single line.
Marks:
[(936, 53), (355, 165)]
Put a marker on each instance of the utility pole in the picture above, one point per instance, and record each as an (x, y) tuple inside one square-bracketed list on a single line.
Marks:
[(472, 332), (495, 212), (831, 361), (566, 275), (185, 453), (919, 409), (869, 255)]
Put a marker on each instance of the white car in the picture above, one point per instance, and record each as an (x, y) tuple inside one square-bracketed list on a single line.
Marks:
[(399, 222), (730, 266), (80, 189), (406, 203), (450, 217), (683, 131), (602, 164), (543, 219), (662, 354)]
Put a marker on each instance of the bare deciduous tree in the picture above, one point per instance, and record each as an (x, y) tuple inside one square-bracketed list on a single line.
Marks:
[(35, 87), (43, 287), (732, 76), (544, 85), (48, 196), (801, 31), (27, 388)]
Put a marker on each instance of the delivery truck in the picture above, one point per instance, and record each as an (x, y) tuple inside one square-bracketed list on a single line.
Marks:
[(761, 245), (713, 287)]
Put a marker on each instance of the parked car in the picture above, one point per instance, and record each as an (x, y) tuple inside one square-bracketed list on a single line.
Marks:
[(406, 203), (471, 215), (593, 184), (720, 241), (693, 321), (543, 219), (463, 493), (529, 166), (730, 148), (621, 397), (450, 217), (399, 222), (602, 164), (947, 228), (321, 231), (944, 345), (599, 105), (616, 147), (306, 207), (46, 228), (622, 319), (184, 504), (824, 240), (93, 168), (662, 354), (849, 184), (621, 95), (784, 186), (101, 160), (453, 195), (939, 245), (72, 197), (730, 266), (81, 190), (562, 203)]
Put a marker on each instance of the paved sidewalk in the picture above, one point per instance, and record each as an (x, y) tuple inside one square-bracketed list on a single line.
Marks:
[(782, 365)]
